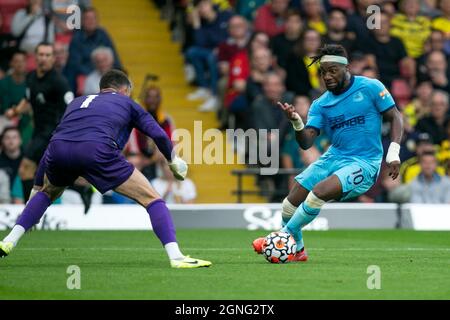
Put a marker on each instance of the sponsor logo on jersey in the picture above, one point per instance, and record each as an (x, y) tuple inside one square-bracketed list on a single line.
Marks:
[(358, 97), (348, 123), (383, 94)]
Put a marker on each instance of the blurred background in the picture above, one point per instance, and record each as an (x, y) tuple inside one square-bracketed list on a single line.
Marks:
[(226, 63)]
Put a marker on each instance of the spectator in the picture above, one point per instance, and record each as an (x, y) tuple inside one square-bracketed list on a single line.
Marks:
[(60, 15), (429, 8), (5, 194), (388, 52), (388, 7), (314, 11), (301, 79), (47, 96), (434, 123), (270, 18), (337, 31), (442, 23), (61, 58), (140, 148), (411, 28), (174, 191), (12, 90), (359, 62), (410, 168), (443, 154), (210, 29), (370, 72), (429, 186), (32, 26), (436, 69), (419, 107), (237, 41), (235, 101), (247, 8), (152, 103), (103, 59), (261, 65), (269, 115), (357, 21), (11, 153), (7, 48), (283, 43), (392, 190), (84, 41), (435, 42)]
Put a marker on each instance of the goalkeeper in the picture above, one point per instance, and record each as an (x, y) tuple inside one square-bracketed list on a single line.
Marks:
[(88, 143), (350, 112)]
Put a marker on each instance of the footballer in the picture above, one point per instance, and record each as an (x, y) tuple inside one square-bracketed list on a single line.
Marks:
[(350, 112)]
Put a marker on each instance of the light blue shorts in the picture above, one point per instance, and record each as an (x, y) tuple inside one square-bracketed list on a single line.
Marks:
[(356, 176)]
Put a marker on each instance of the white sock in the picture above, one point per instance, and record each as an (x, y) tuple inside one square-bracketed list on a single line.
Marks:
[(15, 234), (173, 251)]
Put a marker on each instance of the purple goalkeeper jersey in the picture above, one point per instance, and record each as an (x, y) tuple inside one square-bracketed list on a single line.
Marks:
[(109, 117)]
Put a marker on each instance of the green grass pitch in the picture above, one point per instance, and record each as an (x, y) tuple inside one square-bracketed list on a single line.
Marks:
[(132, 265)]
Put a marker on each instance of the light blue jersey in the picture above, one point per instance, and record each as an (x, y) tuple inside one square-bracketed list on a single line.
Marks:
[(352, 121)]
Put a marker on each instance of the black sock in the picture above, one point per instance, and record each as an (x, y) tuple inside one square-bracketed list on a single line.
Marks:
[(27, 186), (77, 188), (86, 193)]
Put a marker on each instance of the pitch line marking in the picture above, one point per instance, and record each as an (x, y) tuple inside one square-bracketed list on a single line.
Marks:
[(233, 249)]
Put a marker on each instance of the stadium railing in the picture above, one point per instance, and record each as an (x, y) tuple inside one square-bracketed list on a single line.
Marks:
[(240, 192)]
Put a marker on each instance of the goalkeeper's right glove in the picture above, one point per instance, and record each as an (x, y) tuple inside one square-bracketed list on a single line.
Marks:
[(297, 123), (178, 167)]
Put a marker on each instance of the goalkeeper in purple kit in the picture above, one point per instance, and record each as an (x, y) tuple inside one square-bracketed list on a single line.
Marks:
[(88, 143)]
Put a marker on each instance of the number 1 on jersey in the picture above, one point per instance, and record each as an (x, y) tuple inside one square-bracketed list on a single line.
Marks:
[(88, 100)]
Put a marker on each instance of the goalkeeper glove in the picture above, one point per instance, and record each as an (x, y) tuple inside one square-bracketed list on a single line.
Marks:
[(178, 167)]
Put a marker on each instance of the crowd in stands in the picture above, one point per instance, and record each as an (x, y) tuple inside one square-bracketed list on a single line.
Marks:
[(82, 55), (244, 56)]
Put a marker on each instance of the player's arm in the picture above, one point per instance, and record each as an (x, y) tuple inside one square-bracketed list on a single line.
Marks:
[(148, 125), (393, 155), (16, 111), (305, 136)]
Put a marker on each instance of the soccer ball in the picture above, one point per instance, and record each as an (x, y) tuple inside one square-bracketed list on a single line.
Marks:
[(279, 247)]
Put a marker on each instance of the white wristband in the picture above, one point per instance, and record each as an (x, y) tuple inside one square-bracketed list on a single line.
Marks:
[(298, 124), (393, 153)]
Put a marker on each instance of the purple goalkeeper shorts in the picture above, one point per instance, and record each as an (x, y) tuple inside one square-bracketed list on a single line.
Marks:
[(102, 165)]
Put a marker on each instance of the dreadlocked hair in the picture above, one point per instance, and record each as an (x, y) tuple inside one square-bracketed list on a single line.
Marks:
[(329, 49)]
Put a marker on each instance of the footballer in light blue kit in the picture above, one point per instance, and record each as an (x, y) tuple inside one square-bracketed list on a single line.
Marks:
[(350, 112)]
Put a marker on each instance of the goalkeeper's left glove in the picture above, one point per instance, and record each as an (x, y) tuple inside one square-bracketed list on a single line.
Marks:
[(393, 153), (178, 167)]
